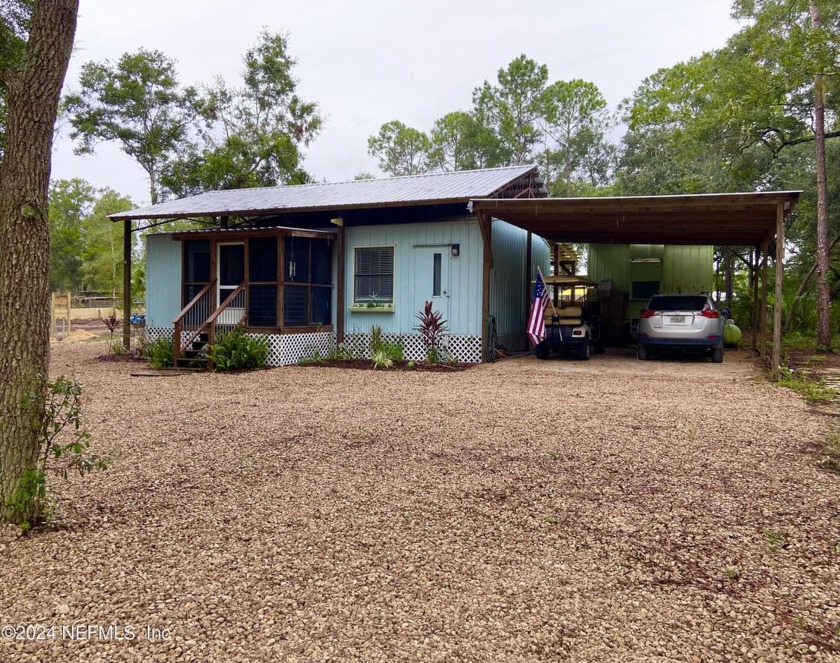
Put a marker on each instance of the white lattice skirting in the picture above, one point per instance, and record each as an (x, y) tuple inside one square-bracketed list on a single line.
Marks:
[(466, 349), (285, 349)]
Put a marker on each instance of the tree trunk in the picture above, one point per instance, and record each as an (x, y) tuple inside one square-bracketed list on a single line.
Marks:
[(823, 293), (33, 95), (728, 269)]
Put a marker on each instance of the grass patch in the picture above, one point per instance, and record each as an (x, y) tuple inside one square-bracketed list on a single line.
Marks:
[(831, 456), (806, 342), (813, 391)]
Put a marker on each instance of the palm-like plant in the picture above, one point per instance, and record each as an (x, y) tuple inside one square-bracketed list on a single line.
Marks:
[(431, 326)]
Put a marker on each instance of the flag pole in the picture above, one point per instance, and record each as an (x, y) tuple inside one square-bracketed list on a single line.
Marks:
[(550, 299)]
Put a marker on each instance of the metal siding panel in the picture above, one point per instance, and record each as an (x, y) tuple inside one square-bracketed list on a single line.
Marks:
[(540, 255), (465, 274), (506, 286), (610, 261), (163, 280), (687, 268)]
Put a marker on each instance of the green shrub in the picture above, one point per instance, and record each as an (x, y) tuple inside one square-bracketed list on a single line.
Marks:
[(161, 352), (64, 445), (381, 359), (235, 350), (380, 349), (394, 350)]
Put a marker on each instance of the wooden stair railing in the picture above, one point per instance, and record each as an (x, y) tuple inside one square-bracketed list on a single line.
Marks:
[(192, 319), (235, 300), (198, 318)]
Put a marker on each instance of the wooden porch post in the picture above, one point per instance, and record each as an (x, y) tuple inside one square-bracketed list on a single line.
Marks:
[(528, 269), (127, 284), (341, 284), (485, 225), (777, 308), (754, 279), (762, 320)]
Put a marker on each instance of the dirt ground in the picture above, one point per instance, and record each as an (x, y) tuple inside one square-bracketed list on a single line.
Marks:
[(610, 510)]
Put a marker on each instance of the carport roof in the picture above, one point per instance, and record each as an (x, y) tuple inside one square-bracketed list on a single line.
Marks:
[(724, 219)]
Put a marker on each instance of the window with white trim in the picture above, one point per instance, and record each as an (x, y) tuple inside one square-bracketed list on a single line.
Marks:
[(373, 279)]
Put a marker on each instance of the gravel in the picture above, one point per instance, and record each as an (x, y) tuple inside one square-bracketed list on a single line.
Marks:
[(521, 511)]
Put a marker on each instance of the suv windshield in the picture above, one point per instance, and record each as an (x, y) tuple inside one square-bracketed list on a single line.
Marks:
[(677, 303)]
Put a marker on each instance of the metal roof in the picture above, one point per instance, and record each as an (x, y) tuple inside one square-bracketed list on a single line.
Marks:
[(428, 189), (724, 219), (233, 230)]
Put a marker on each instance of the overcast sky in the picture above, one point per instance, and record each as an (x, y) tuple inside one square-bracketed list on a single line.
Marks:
[(366, 62)]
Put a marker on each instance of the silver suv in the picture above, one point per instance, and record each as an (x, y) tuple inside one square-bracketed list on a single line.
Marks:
[(687, 321)]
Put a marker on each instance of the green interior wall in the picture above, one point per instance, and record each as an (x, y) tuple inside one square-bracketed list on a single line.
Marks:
[(682, 268)]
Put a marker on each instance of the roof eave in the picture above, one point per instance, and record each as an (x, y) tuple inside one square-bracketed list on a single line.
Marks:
[(123, 216)]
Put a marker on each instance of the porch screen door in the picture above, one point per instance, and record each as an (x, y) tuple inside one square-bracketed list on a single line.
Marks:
[(231, 272)]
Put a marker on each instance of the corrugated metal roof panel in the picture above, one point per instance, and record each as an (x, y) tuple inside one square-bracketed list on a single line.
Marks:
[(436, 187)]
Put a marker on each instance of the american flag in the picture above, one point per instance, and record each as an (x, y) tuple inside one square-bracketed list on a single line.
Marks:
[(536, 323)]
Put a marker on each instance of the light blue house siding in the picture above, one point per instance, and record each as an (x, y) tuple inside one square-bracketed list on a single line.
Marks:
[(415, 246), (418, 248), (163, 281), (459, 301)]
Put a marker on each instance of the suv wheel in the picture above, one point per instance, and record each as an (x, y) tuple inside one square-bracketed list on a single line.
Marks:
[(642, 353), (542, 350), (717, 354)]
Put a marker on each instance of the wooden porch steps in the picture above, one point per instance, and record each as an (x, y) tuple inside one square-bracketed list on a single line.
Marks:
[(194, 357)]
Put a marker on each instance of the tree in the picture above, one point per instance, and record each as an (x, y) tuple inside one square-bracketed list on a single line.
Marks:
[(756, 99), (13, 29), (253, 135), (102, 265), (575, 120), (401, 150), (798, 43), (86, 247), (70, 202), (137, 103), (512, 108), (31, 81), (460, 142)]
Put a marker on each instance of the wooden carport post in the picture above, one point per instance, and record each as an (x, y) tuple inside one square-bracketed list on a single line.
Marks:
[(528, 269), (485, 226), (340, 295), (762, 318), (777, 306), (754, 277), (127, 284)]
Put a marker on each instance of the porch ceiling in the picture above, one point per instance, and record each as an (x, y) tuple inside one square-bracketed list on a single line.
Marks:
[(726, 219)]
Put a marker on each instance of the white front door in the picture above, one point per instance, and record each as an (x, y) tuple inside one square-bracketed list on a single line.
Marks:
[(431, 278)]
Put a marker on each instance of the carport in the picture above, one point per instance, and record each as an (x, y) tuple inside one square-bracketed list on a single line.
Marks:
[(755, 220)]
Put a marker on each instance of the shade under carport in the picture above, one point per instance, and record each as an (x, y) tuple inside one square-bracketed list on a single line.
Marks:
[(754, 219), (723, 219)]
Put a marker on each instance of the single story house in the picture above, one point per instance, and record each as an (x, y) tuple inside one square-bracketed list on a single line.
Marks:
[(311, 265)]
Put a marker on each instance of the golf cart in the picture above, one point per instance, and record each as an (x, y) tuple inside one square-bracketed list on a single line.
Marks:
[(572, 318)]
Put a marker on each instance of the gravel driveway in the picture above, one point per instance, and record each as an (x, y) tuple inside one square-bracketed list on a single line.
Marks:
[(613, 510)]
